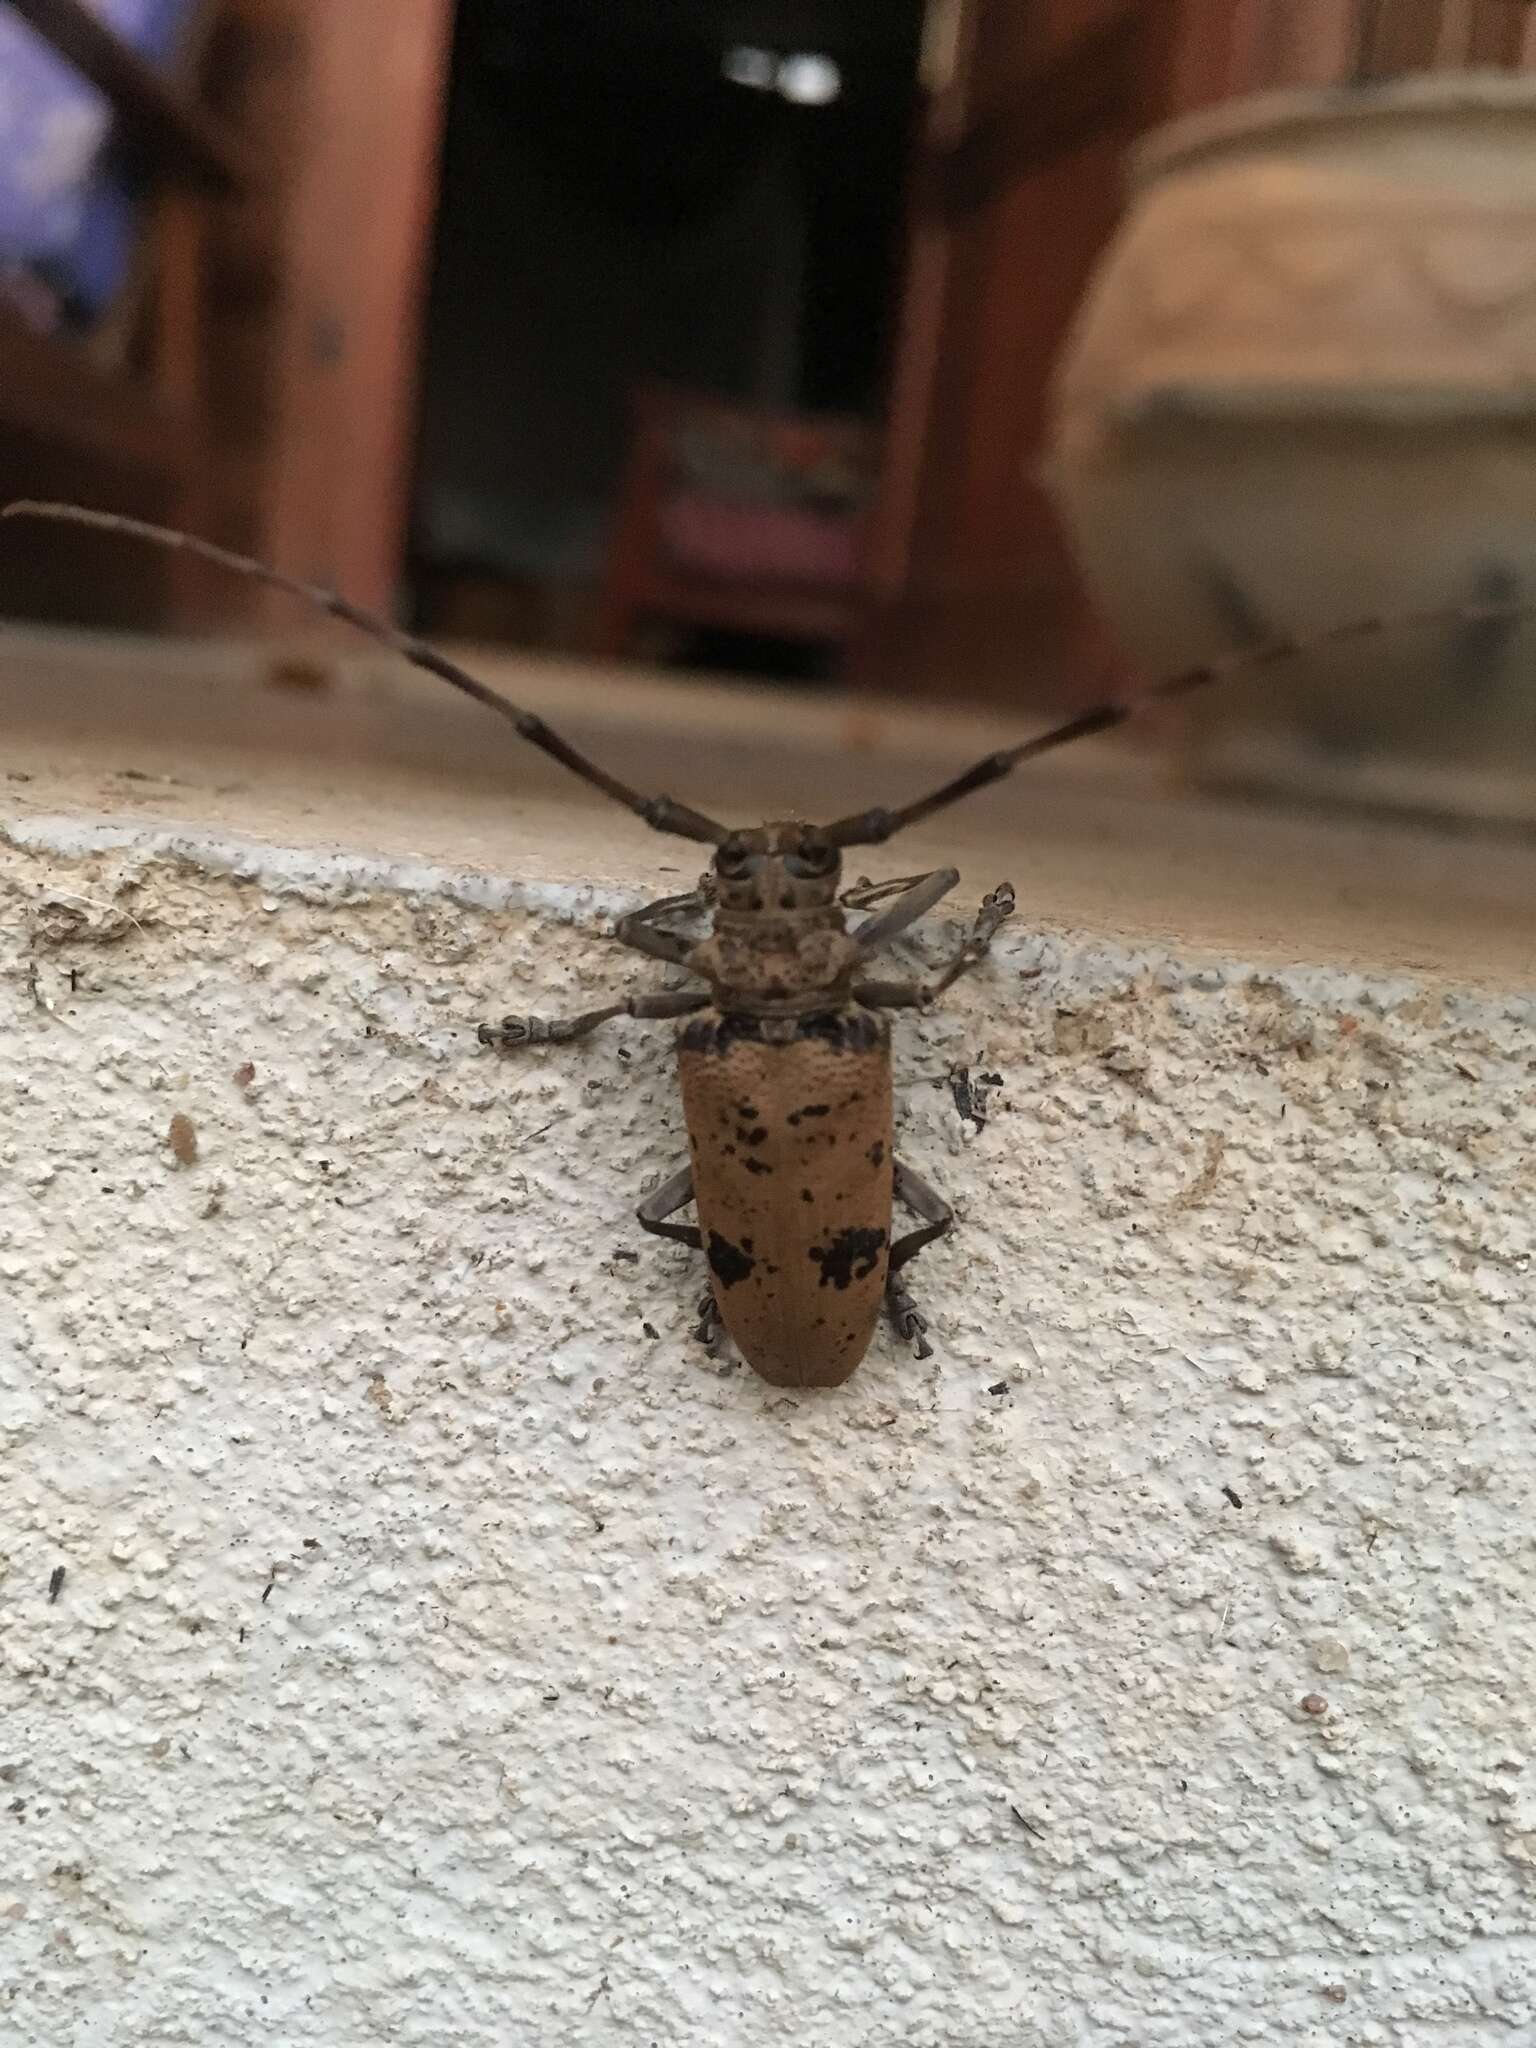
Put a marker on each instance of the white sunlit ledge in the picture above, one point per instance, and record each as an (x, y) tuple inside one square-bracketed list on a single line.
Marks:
[(448, 1652)]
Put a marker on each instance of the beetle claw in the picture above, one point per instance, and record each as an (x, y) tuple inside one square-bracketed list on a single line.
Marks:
[(512, 1031), (911, 1324), (707, 1329)]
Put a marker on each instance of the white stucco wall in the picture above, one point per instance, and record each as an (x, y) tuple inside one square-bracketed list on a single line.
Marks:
[(449, 1654)]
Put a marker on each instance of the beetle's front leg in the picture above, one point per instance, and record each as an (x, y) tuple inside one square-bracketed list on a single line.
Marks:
[(661, 1002), (637, 928), (915, 896), (996, 907)]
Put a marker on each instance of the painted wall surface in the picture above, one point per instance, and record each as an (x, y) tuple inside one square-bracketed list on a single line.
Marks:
[(448, 1653)]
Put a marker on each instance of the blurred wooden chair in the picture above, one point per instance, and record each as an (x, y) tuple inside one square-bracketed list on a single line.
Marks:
[(737, 517), (103, 289)]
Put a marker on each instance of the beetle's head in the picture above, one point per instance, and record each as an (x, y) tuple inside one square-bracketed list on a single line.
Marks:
[(784, 867)]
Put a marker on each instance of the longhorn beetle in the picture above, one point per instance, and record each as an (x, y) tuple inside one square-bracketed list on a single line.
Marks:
[(785, 1056)]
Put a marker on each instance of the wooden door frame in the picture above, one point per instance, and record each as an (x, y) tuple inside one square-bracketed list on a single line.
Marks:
[(971, 143)]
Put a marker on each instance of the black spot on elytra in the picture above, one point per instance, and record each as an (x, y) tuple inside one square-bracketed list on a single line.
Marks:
[(806, 1195), (798, 1116), (730, 1262), (754, 1136), (876, 1153), (757, 1166), (852, 1255), (747, 1110)]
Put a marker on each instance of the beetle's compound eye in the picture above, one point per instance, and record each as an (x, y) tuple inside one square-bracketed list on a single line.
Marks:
[(733, 863), (812, 859)]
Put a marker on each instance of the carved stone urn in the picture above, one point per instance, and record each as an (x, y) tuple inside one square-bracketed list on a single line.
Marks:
[(1301, 390)]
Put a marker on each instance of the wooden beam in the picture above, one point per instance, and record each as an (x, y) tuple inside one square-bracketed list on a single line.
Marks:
[(1499, 33), (1403, 39), (1060, 106), (50, 389), (353, 241), (171, 129), (1312, 41)]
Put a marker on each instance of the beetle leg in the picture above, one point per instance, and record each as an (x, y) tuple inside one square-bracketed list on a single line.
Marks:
[(707, 1328), (864, 892), (637, 928), (661, 1002), (672, 1195), (915, 897), (917, 995), (938, 1219), (996, 908), (665, 1201)]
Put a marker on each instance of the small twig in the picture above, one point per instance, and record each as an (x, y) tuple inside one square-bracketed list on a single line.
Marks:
[(107, 909), (1220, 1629)]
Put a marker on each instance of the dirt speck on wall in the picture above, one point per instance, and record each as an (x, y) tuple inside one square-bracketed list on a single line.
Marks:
[(452, 1644)]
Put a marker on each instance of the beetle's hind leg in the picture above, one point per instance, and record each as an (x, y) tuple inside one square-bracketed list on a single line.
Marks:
[(665, 1201), (707, 1328), (938, 1219), (652, 1215)]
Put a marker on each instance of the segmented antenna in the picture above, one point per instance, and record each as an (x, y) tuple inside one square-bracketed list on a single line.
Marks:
[(861, 828), (660, 812), (871, 827)]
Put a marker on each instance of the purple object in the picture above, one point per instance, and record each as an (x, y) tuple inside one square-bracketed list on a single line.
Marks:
[(67, 223)]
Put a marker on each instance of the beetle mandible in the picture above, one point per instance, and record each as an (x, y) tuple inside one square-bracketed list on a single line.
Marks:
[(784, 1056)]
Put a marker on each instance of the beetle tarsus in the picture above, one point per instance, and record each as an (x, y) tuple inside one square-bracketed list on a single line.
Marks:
[(707, 1329), (997, 906), (661, 1002), (513, 1031), (909, 1323)]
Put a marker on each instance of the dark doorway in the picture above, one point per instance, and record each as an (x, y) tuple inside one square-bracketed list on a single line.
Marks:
[(696, 191)]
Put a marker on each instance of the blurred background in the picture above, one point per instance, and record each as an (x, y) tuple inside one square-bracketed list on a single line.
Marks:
[(902, 349)]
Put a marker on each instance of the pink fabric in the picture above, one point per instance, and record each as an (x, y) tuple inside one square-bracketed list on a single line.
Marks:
[(759, 544)]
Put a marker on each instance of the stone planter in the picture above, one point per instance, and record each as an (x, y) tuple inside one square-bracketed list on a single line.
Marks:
[(1301, 390)]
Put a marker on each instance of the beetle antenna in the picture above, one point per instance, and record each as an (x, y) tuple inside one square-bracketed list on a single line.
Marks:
[(873, 827), (659, 812)]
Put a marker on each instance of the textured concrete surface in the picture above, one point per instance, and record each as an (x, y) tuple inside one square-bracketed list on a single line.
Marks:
[(448, 1653)]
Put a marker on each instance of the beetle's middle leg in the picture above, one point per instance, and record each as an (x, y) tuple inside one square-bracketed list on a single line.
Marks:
[(938, 1219), (637, 929), (652, 1214)]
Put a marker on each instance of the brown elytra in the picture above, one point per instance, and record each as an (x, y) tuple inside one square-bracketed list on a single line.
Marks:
[(791, 1147)]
